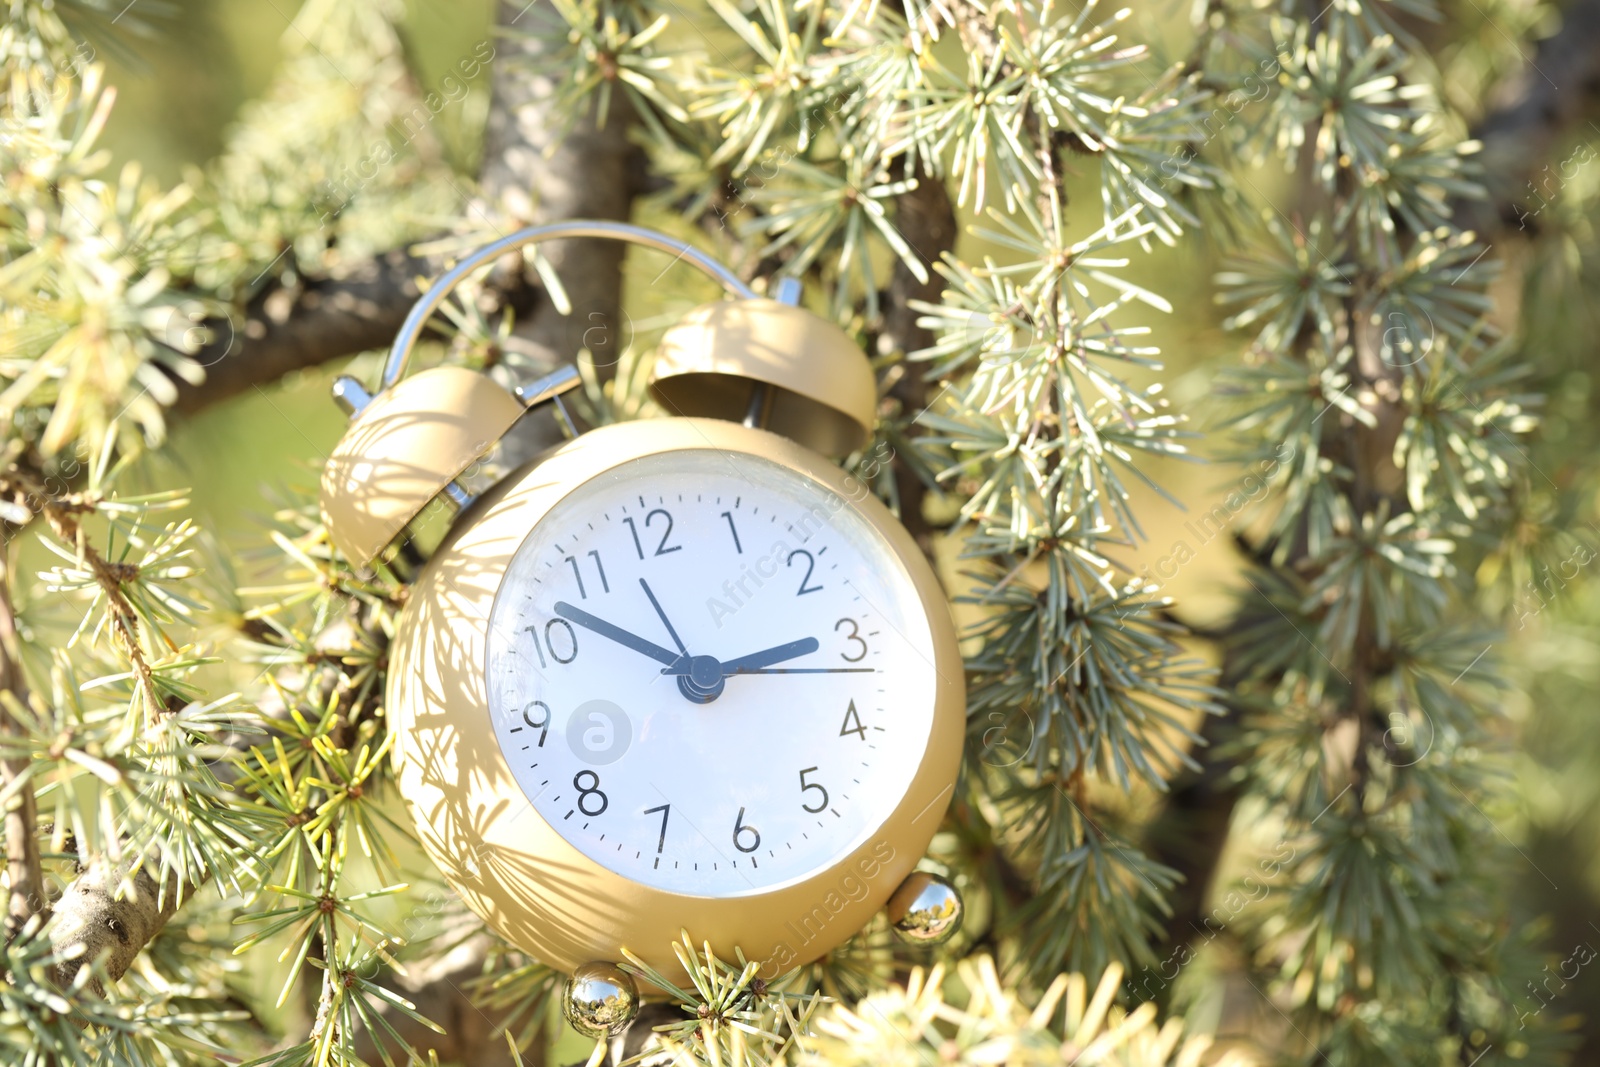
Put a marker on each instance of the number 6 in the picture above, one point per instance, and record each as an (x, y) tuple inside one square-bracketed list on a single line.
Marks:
[(740, 828)]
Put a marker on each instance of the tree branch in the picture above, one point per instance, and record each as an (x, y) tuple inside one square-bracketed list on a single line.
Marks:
[(1192, 829), (640, 1037), (99, 916), (927, 221), (1531, 112), (286, 329), (472, 1033), (25, 875), (541, 165)]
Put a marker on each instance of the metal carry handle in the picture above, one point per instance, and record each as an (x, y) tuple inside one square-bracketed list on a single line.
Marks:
[(411, 457), (428, 303)]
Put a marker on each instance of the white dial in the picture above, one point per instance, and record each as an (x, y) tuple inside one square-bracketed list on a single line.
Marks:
[(709, 673)]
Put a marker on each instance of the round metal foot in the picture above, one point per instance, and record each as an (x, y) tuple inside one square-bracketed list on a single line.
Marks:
[(926, 909), (600, 1000)]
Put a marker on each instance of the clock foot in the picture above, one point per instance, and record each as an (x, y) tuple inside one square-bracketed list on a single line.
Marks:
[(926, 909), (600, 1000)]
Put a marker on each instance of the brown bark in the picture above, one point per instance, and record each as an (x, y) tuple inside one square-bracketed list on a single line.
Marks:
[(640, 1037), (287, 329), (26, 896), (1192, 829), (1531, 113), (104, 913), (926, 219), (537, 170)]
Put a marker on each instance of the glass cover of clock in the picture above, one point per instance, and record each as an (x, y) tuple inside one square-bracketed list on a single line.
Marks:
[(709, 673)]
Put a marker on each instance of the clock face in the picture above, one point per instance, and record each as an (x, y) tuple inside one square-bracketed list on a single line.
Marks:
[(709, 673)]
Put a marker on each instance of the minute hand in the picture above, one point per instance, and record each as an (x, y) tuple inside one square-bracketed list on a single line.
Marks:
[(753, 663), (767, 657), (616, 633)]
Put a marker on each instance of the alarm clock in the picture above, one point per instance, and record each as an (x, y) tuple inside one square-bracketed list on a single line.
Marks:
[(680, 673)]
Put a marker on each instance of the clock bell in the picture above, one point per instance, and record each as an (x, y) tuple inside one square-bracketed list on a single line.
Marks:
[(764, 362)]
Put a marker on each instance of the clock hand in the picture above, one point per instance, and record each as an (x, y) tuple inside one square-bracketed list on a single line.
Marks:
[(811, 670), (755, 661), (616, 633), (767, 657), (657, 605)]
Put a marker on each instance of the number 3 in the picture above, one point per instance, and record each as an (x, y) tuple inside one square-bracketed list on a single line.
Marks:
[(853, 635)]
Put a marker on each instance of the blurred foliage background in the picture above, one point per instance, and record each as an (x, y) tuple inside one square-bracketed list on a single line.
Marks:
[(182, 86), (185, 83)]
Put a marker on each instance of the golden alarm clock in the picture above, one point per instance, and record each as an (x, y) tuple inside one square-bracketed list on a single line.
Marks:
[(677, 673)]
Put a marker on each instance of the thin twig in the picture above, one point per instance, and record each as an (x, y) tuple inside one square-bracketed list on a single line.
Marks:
[(25, 877), (124, 621)]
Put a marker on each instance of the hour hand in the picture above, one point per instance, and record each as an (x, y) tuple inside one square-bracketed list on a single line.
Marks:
[(761, 662), (616, 633)]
